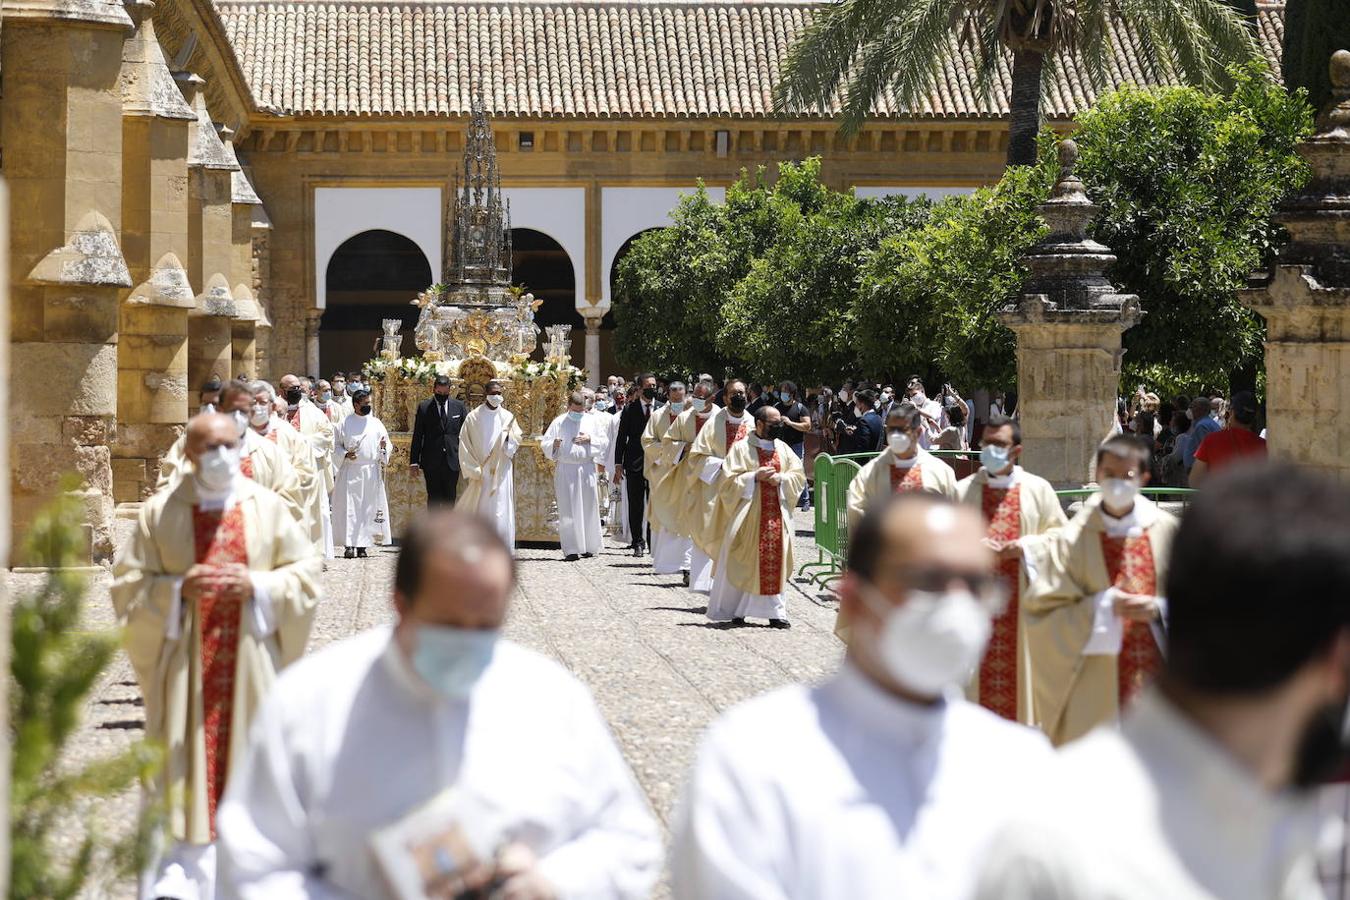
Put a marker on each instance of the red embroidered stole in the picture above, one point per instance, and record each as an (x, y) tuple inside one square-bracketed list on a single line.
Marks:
[(770, 529), (905, 480), (219, 539), (734, 433), (246, 464), (698, 424), (1129, 564), (998, 672), (293, 416)]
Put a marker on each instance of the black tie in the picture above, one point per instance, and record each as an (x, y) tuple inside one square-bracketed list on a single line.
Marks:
[(441, 404)]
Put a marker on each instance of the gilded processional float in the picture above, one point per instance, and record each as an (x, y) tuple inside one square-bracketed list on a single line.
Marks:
[(473, 327)]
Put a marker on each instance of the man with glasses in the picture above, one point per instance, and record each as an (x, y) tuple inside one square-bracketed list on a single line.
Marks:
[(1093, 616), (882, 781)]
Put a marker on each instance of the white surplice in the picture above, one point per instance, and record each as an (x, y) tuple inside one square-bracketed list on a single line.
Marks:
[(1156, 809), (351, 740), (618, 516), (844, 792), (497, 501), (359, 496), (574, 480)]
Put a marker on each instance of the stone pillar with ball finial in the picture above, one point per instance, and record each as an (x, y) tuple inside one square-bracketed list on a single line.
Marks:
[(1068, 321), (1305, 300)]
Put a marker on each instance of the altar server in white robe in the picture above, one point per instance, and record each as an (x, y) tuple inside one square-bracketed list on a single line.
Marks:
[(315, 485), (576, 442), (215, 590), (361, 734), (761, 481), (618, 514), (360, 502), (488, 442), (882, 781)]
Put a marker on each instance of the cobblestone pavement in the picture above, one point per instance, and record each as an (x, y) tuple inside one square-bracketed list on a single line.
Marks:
[(658, 669)]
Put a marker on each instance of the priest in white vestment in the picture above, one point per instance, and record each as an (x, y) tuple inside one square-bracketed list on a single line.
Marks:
[(676, 499), (315, 426), (488, 442), (259, 460), (882, 781), (360, 502), (761, 480), (312, 470), (215, 590), (706, 517), (1207, 790), (576, 442), (365, 732), (661, 456)]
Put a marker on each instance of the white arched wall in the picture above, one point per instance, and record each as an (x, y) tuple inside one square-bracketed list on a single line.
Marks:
[(933, 192), (342, 213), (626, 211), (559, 213)]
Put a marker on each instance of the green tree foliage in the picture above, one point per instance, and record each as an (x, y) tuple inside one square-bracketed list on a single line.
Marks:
[(792, 315), (929, 295), (1186, 205), (859, 52), (54, 665)]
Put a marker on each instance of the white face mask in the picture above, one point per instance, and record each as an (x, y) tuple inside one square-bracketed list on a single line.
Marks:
[(494, 400), (217, 468), (1119, 493), (699, 404), (676, 406), (451, 660), (994, 458), (261, 415), (918, 399), (899, 442), (240, 421), (931, 642), (574, 415)]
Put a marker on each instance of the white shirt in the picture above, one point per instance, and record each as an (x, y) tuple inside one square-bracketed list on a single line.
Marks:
[(350, 740), (844, 791), (1156, 809)]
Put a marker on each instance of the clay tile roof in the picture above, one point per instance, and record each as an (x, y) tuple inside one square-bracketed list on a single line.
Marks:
[(619, 59)]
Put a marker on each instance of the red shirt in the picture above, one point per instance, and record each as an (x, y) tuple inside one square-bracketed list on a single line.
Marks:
[(1223, 447)]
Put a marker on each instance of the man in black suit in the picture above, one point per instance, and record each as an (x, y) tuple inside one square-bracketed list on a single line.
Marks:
[(628, 456), (435, 442)]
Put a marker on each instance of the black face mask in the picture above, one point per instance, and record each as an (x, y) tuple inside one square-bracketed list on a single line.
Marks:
[(293, 395), (363, 409), (736, 403), (649, 393), (1322, 752)]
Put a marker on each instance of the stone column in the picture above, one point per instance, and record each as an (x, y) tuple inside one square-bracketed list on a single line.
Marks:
[(312, 341), (1305, 300), (244, 334), (260, 279), (210, 240), (153, 395), (1068, 326), (593, 346), (61, 129)]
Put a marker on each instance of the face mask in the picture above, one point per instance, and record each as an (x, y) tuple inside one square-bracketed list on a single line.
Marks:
[(451, 660), (325, 397), (574, 415), (736, 404), (698, 404), (649, 393), (919, 398), (261, 415), (293, 395), (494, 400), (994, 458), (207, 408), (844, 395), (899, 442), (1118, 493), (340, 388), (676, 405), (933, 641), (217, 468), (240, 421), (363, 408), (784, 396), (602, 405), (886, 396)]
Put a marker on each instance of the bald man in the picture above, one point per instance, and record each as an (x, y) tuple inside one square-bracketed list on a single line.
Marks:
[(882, 781), (215, 592), (527, 789)]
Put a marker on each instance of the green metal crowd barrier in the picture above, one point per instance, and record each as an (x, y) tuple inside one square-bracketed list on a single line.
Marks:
[(833, 475)]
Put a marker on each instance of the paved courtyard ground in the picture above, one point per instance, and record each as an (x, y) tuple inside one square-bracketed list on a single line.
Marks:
[(658, 669)]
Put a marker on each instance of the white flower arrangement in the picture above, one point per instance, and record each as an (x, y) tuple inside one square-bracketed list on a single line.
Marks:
[(408, 368)]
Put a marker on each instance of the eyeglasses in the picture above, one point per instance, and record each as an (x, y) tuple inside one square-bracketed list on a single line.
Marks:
[(987, 588)]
